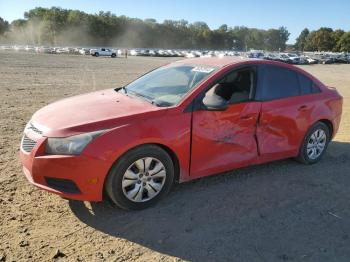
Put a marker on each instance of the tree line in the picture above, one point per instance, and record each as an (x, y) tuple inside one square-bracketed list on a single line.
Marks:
[(57, 26), (323, 39)]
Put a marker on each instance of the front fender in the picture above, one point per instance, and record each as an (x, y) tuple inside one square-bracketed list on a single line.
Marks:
[(169, 130)]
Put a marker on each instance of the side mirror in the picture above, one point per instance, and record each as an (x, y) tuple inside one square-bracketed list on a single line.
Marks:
[(213, 102)]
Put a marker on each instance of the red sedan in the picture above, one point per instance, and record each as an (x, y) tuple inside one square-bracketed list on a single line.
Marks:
[(182, 121)]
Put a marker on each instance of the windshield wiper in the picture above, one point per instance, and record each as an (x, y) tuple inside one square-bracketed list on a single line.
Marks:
[(146, 98), (121, 88), (161, 103)]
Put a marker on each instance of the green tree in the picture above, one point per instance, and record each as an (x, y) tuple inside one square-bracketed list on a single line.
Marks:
[(276, 38), (255, 39), (301, 40), (284, 36), (4, 26), (223, 28), (150, 20), (57, 26), (240, 35), (19, 24), (344, 42), (323, 39), (337, 34)]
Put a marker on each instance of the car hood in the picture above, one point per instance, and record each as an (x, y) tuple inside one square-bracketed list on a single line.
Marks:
[(90, 112)]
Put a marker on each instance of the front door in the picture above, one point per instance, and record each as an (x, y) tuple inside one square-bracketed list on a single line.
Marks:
[(224, 140)]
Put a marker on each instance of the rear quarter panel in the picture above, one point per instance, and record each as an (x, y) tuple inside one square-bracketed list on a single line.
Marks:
[(334, 104)]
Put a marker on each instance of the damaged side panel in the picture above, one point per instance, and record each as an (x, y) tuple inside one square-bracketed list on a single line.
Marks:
[(224, 140)]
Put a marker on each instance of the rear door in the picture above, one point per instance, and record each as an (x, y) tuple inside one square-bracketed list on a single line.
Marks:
[(287, 104)]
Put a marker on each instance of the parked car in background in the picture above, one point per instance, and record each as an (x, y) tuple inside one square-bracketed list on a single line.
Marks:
[(6, 47), (18, 48), (308, 60), (304, 58), (103, 52), (255, 54), (135, 52), (326, 59), (294, 58), (29, 48), (63, 50), (45, 50), (84, 51)]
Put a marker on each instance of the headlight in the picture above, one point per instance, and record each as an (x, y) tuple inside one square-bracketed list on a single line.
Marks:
[(72, 145)]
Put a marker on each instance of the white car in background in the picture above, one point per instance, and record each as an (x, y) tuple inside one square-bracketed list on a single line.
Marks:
[(310, 60), (103, 52), (135, 52), (295, 59), (84, 51), (62, 50), (29, 48)]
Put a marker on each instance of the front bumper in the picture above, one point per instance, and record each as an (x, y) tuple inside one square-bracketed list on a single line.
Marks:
[(73, 177)]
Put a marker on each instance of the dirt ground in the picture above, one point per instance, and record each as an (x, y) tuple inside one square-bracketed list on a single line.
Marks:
[(282, 211)]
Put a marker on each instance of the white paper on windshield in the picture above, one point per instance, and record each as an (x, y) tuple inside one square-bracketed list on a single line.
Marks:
[(202, 69)]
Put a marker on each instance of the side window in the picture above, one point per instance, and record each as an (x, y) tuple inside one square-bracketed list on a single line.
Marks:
[(307, 86), (315, 88), (237, 86), (278, 82), (102, 49)]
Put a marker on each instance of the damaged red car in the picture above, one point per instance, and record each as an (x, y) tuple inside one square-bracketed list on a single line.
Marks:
[(189, 119)]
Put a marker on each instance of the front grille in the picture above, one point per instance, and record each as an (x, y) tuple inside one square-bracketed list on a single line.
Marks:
[(28, 144), (32, 127)]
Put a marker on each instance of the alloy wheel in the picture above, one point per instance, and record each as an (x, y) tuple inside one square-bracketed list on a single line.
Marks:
[(143, 179), (316, 144)]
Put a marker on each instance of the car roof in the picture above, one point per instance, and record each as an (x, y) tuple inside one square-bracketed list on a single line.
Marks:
[(216, 61), (226, 61)]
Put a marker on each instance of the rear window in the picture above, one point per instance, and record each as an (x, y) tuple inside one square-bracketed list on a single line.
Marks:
[(278, 82)]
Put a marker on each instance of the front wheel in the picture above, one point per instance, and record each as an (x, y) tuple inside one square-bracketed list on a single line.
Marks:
[(140, 177), (113, 55), (315, 144)]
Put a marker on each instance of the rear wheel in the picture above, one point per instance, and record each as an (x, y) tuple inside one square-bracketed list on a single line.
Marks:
[(315, 144), (140, 178), (97, 54), (113, 55)]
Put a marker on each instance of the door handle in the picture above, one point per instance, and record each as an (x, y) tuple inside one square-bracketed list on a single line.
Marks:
[(303, 108)]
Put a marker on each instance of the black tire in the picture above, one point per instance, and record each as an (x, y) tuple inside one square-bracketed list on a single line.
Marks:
[(113, 55), (97, 54), (303, 156), (113, 184)]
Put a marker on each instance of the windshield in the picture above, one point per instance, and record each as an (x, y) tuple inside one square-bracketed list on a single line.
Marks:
[(166, 86)]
